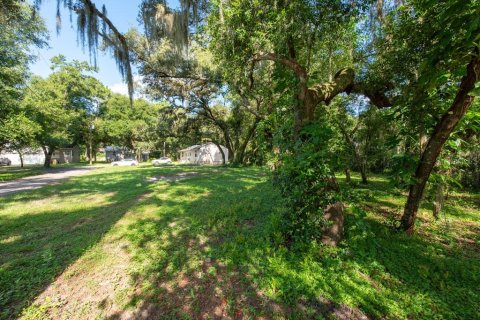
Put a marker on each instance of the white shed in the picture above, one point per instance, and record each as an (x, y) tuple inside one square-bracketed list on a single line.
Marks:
[(207, 153)]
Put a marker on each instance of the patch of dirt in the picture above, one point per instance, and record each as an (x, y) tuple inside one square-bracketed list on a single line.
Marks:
[(332, 310), (175, 177), (214, 290), (84, 292), (211, 292)]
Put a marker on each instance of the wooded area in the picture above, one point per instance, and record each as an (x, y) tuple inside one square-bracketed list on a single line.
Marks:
[(310, 89)]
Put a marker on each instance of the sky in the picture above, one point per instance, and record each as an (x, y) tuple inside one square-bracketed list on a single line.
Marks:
[(123, 14)]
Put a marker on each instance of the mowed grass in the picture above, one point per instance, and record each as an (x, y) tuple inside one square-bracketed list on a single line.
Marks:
[(110, 245), (9, 173)]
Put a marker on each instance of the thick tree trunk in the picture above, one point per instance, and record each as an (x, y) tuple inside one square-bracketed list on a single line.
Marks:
[(48, 156), (231, 154), (221, 151), (347, 174), (243, 146), (435, 144)]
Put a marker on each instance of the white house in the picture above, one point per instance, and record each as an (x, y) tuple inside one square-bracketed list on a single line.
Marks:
[(36, 156), (30, 157), (207, 153)]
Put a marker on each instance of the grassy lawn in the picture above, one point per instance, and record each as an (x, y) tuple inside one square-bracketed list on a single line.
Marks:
[(8, 173), (110, 245)]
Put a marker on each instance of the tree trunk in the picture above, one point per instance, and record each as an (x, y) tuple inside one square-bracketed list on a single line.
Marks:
[(21, 158), (243, 147), (48, 155), (356, 154), (363, 172), (90, 152), (438, 201), (221, 151), (440, 134), (347, 174)]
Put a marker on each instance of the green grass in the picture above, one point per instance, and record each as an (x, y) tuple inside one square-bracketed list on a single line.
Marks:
[(9, 173), (13, 172), (209, 246)]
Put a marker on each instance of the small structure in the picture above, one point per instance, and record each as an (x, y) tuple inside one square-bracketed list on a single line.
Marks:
[(207, 153), (36, 156), (115, 153), (67, 155)]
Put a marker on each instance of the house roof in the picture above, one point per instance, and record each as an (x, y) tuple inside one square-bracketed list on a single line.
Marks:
[(198, 146), (194, 147)]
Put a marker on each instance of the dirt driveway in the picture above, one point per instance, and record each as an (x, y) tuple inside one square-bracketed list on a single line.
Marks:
[(34, 182)]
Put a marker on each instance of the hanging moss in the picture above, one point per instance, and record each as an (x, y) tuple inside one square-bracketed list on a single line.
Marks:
[(159, 21)]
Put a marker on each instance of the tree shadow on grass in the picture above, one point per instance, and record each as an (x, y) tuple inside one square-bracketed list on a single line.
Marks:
[(129, 179), (206, 248), (428, 278), (43, 231), (183, 271), (207, 252)]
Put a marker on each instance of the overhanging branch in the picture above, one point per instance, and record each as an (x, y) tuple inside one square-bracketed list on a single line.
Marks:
[(293, 65)]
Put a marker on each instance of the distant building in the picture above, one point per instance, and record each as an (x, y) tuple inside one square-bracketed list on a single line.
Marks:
[(115, 153), (36, 156), (67, 155), (207, 153)]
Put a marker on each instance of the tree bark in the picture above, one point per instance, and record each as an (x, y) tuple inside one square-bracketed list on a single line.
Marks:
[(48, 155), (243, 146), (440, 134), (347, 174), (221, 151), (231, 153), (308, 98), (363, 172), (439, 200), (21, 158)]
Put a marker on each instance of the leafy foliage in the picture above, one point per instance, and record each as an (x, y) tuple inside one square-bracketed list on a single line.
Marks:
[(61, 104), (21, 31), (307, 182)]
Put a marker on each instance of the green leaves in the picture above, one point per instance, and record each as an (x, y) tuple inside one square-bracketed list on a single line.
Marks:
[(21, 32), (476, 91), (60, 104)]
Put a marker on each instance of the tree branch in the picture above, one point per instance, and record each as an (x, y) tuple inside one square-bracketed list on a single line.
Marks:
[(293, 65), (246, 104), (376, 96), (342, 82), (121, 39)]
